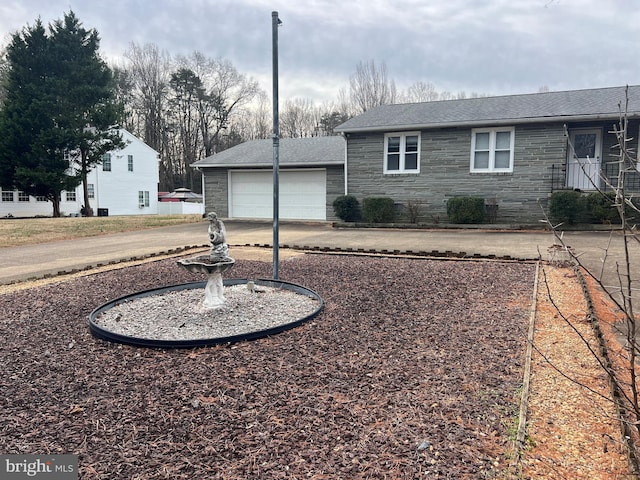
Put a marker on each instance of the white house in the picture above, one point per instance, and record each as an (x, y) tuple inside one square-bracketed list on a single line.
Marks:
[(126, 183)]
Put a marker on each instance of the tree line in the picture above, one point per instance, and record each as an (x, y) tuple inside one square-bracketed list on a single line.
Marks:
[(60, 101)]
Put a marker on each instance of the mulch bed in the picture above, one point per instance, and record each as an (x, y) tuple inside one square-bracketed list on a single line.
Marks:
[(411, 371)]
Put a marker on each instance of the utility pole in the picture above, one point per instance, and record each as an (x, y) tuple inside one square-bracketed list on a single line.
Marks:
[(275, 21)]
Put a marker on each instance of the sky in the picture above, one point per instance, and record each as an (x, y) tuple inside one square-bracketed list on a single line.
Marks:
[(489, 47)]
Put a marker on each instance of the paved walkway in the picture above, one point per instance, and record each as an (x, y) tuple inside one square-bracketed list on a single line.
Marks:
[(37, 261)]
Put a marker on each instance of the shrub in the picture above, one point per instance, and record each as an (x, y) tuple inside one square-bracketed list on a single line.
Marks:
[(378, 210), (465, 209), (347, 208), (600, 208), (566, 206)]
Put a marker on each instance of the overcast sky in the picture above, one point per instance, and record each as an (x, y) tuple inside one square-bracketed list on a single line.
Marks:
[(494, 47)]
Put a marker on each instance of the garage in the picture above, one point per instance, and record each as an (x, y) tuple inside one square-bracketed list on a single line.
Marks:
[(302, 194)]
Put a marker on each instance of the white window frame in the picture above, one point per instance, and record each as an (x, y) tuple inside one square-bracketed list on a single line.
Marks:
[(130, 163), (403, 151), (91, 190), (143, 198), (70, 196), (6, 194), (106, 162), (492, 149), (23, 197)]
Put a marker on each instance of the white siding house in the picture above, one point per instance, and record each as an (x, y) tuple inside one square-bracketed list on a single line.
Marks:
[(125, 184)]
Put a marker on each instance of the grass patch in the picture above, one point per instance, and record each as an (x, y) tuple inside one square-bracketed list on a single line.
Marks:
[(30, 231)]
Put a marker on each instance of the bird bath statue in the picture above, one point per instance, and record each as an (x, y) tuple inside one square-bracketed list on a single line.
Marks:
[(214, 264)]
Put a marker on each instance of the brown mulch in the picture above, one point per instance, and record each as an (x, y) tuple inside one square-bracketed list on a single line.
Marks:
[(412, 370), (573, 428)]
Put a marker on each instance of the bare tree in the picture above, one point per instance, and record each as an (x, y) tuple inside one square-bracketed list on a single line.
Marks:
[(370, 87), (421, 92)]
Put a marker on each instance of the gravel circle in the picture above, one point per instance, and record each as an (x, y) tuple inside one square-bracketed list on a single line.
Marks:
[(180, 315)]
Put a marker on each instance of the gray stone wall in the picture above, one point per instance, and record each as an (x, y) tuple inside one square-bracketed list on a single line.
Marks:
[(445, 172), (335, 188), (216, 191)]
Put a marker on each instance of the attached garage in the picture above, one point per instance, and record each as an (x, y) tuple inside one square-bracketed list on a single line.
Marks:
[(302, 194), (238, 182)]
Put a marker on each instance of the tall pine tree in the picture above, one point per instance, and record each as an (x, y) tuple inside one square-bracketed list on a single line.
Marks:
[(59, 107)]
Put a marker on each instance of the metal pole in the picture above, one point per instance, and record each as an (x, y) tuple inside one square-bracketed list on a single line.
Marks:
[(275, 21)]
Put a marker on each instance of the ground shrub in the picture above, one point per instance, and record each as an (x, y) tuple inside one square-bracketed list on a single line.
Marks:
[(347, 208), (466, 209), (378, 210), (566, 206)]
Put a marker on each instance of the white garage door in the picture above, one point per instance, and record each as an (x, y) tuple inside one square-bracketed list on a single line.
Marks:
[(302, 196)]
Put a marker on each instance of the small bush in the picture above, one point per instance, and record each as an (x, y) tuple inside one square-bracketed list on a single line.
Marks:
[(600, 208), (378, 210), (566, 206), (465, 209), (347, 208)]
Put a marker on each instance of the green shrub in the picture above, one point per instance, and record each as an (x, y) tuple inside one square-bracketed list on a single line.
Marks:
[(378, 210), (600, 208), (465, 209), (566, 206), (347, 208)]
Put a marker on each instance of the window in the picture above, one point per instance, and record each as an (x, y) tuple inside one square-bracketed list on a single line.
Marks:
[(23, 197), (130, 163), (492, 149), (91, 190), (143, 198), (402, 152), (7, 196), (106, 162), (40, 198), (70, 196)]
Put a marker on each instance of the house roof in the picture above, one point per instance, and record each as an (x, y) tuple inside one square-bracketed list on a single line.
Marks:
[(293, 152), (575, 105)]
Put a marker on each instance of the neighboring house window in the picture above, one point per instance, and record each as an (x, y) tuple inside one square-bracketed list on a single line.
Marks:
[(91, 191), (130, 163), (492, 149), (7, 196), (40, 198), (23, 197), (143, 198), (106, 162), (402, 152), (70, 196)]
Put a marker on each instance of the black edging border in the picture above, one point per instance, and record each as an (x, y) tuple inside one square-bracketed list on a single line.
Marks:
[(632, 457), (108, 335)]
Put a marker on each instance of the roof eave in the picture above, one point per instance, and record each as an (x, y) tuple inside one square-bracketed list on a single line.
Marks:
[(267, 165), (480, 123)]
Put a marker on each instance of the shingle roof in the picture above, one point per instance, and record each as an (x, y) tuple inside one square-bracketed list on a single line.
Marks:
[(575, 105), (292, 152)]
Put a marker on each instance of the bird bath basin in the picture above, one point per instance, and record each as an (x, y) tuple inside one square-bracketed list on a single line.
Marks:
[(214, 290)]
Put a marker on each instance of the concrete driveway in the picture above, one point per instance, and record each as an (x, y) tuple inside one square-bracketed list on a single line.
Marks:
[(36, 261)]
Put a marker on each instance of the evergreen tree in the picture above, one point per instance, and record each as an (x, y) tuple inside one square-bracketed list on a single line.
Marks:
[(58, 106)]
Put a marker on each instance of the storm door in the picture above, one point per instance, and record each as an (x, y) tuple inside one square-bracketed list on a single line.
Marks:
[(583, 164)]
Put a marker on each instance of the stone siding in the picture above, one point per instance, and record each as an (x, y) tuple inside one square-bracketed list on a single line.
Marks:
[(445, 172)]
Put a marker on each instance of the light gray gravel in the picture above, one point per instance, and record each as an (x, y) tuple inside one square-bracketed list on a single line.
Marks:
[(179, 315)]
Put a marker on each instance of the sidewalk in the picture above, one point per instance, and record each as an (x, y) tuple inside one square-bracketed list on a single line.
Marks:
[(37, 261)]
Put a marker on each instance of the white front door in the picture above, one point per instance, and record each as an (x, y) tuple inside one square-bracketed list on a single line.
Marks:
[(583, 164)]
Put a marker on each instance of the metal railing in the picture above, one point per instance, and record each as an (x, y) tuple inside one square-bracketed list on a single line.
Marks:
[(573, 177)]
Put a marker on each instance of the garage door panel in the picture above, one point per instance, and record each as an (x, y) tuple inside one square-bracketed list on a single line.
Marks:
[(302, 194)]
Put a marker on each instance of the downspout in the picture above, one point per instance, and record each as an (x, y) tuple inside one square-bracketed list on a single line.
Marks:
[(346, 170)]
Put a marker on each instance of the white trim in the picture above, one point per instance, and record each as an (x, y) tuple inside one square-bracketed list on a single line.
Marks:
[(493, 131), (402, 152)]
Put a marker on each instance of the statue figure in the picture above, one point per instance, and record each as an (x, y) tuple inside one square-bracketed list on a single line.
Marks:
[(217, 238)]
